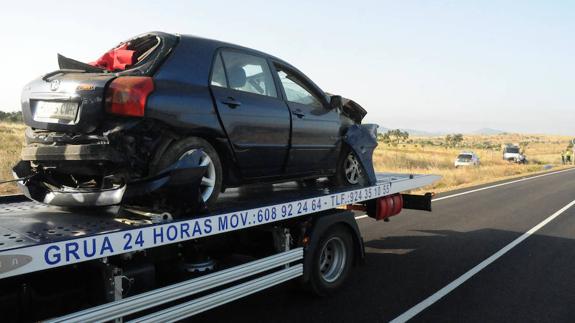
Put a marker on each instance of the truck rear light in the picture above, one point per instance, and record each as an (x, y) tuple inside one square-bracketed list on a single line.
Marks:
[(128, 95)]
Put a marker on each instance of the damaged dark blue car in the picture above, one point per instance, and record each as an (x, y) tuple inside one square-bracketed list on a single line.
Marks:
[(164, 116)]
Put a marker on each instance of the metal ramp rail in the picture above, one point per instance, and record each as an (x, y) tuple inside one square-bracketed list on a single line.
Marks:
[(135, 304)]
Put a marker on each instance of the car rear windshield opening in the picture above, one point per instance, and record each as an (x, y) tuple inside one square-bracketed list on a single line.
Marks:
[(128, 54)]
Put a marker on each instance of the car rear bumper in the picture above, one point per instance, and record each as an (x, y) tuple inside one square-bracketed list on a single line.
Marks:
[(71, 198), (94, 152), (178, 183)]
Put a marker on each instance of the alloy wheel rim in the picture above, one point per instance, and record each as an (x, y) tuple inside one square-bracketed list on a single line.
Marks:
[(208, 182), (352, 169)]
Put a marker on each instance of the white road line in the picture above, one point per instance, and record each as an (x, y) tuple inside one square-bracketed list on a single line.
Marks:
[(454, 284), (500, 184)]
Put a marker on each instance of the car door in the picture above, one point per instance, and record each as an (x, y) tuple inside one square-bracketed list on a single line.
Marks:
[(255, 119), (315, 127)]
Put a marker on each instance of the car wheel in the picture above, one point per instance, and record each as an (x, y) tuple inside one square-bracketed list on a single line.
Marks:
[(211, 184), (349, 169), (331, 262)]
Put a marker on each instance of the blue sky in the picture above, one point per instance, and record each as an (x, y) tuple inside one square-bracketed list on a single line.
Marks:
[(451, 66)]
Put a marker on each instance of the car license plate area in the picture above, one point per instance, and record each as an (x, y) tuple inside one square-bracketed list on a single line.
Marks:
[(56, 112)]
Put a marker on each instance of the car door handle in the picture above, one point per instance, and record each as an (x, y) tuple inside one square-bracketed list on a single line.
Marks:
[(298, 113), (231, 102)]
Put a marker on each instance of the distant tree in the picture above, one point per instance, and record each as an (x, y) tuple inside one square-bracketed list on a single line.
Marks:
[(405, 135), (11, 116), (397, 136), (383, 137), (448, 140), (453, 140), (457, 139)]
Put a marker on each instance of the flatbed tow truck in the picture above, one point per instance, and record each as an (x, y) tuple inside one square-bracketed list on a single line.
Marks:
[(113, 264)]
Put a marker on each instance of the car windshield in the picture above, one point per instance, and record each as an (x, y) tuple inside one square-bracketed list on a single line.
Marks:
[(464, 157), (512, 150)]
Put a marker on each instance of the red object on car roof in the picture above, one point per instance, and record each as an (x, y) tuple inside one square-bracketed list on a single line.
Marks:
[(115, 59)]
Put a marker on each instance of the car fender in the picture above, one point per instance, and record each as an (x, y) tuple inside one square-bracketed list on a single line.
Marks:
[(363, 139)]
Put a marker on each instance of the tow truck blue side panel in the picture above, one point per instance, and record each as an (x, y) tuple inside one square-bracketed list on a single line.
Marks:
[(36, 237)]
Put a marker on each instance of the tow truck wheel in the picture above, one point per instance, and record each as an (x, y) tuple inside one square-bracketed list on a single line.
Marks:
[(211, 184), (332, 261)]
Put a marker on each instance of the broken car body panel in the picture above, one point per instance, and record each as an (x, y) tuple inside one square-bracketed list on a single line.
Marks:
[(363, 140), (183, 176)]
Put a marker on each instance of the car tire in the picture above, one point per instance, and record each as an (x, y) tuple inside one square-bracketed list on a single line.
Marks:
[(332, 261), (348, 165), (212, 181)]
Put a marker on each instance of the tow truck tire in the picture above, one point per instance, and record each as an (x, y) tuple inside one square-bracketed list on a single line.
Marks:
[(214, 173), (332, 261)]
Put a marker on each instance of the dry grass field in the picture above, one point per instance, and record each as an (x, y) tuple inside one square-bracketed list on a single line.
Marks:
[(423, 155), (11, 140)]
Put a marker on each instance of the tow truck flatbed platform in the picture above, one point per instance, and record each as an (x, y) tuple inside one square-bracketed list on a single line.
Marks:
[(35, 237), (29, 228)]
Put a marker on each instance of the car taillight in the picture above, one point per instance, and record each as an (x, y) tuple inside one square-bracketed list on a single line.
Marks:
[(127, 95)]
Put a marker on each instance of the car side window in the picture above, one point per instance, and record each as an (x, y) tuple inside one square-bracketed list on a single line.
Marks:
[(248, 73), (218, 73), (295, 90)]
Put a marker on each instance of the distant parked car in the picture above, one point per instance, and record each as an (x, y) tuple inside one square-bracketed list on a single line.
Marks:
[(466, 158)]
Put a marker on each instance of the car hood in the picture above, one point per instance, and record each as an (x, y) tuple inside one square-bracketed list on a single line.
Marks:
[(351, 109)]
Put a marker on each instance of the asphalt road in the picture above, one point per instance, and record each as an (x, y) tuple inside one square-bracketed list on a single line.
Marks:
[(418, 254)]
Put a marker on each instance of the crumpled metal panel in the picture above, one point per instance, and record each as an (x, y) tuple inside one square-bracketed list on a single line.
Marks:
[(363, 140), (177, 183)]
